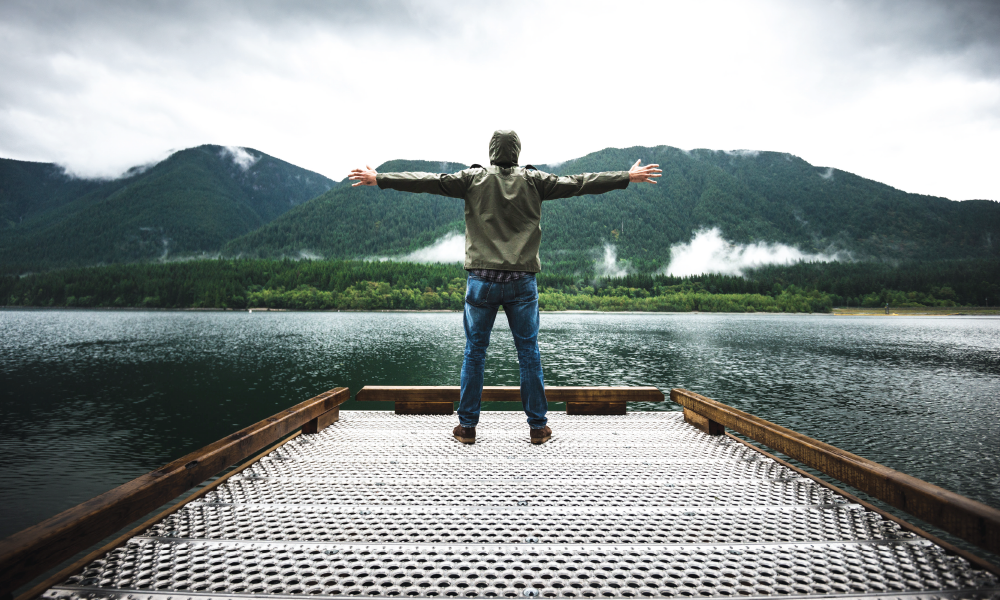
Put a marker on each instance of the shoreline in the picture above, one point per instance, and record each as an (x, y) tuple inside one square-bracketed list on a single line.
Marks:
[(837, 312)]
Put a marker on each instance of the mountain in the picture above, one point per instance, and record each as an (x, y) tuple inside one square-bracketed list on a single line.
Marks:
[(190, 204), (241, 202), (360, 222), (750, 196)]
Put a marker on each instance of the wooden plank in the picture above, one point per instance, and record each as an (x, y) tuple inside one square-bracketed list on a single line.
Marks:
[(950, 548), (33, 550), (602, 394), (972, 521), (322, 422), (392, 393), (595, 408), (703, 423), (78, 566), (449, 393), (424, 408)]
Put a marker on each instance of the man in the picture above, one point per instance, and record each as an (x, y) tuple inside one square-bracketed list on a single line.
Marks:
[(503, 209)]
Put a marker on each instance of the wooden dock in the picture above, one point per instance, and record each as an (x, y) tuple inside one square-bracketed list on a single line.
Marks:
[(618, 504)]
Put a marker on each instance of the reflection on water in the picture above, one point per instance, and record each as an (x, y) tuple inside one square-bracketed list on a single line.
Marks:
[(91, 399)]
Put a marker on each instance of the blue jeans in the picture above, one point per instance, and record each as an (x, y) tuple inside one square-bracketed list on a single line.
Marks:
[(519, 299)]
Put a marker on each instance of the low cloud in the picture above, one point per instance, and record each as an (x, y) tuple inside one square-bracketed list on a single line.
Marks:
[(708, 252), (448, 249), (240, 156), (827, 174), (743, 153), (558, 163), (609, 265)]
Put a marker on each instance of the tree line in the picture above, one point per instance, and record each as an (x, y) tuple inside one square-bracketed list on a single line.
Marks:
[(380, 285)]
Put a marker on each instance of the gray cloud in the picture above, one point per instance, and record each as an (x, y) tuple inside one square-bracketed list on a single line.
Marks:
[(966, 31), (879, 88)]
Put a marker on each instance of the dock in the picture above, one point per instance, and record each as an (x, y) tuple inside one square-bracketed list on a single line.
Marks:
[(652, 504)]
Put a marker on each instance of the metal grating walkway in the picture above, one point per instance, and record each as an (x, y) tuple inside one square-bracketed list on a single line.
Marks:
[(634, 506)]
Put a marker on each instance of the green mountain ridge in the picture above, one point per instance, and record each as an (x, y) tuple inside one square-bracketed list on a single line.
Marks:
[(190, 204), (750, 196), (205, 202)]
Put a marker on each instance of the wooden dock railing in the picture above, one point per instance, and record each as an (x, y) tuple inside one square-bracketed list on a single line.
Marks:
[(34, 550), (441, 399), (963, 517)]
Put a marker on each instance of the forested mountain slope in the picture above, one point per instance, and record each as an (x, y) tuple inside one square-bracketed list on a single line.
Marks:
[(360, 222), (28, 189), (750, 196), (191, 203)]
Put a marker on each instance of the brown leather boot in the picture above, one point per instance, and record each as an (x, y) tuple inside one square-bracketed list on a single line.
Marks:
[(466, 435), (540, 436)]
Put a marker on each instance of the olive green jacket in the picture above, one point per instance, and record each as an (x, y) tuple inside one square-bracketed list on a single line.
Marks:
[(503, 207)]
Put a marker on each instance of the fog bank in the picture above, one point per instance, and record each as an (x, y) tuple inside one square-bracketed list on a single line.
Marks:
[(709, 252), (448, 249)]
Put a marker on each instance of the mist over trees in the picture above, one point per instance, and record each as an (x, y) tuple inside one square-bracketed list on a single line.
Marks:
[(381, 285)]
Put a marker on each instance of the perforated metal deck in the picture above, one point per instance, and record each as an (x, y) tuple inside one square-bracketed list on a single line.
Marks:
[(635, 506)]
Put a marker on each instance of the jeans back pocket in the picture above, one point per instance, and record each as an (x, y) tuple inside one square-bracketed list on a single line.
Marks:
[(527, 289), (477, 291)]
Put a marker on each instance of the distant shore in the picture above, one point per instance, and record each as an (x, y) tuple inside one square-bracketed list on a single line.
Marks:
[(936, 311), (951, 311)]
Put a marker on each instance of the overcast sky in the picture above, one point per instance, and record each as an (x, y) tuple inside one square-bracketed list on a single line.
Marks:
[(907, 93)]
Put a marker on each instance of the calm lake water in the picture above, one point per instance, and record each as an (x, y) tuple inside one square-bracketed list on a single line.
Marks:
[(92, 399)]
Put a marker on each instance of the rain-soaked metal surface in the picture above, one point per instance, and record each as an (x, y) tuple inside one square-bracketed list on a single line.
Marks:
[(634, 506)]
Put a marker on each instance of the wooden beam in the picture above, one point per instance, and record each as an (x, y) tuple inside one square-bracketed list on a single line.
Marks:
[(35, 549), (448, 393), (601, 394), (392, 393), (703, 423), (322, 422), (595, 408), (972, 521)]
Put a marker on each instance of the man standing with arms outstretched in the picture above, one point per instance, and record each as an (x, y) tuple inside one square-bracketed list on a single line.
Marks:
[(503, 210)]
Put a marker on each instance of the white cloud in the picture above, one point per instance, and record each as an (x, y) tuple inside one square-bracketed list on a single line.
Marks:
[(240, 156), (744, 153), (708, 252), (609, 265), (907, 93), (448, 249)]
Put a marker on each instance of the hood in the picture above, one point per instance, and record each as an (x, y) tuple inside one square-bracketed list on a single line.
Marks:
[(505, 146)]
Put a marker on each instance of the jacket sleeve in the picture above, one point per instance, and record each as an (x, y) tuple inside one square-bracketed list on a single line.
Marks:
[(453, 185), (553, 187)]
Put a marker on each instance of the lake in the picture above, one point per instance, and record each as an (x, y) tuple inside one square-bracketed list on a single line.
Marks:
[(92, 399)]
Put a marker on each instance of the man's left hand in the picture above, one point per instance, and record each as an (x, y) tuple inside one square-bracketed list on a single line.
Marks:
[(364, 176)]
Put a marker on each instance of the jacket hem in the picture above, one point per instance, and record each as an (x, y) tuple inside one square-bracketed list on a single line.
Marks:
[(522, 268)]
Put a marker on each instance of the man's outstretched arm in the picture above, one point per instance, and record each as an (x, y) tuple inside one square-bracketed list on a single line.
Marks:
[(442, 184), (597, 183)]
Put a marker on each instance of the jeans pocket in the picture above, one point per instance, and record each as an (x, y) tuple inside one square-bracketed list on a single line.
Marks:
[(477, 291), (527, 289)]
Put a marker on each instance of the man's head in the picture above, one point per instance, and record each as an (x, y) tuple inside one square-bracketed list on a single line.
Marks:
[(505, 146)]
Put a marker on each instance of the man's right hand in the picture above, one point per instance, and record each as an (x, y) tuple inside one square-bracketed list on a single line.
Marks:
[(364, 176), (639, 174)]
